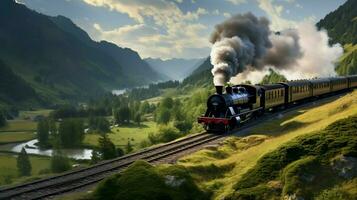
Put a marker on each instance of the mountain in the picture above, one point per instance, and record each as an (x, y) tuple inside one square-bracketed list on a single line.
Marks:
[(174, 69), (201, 76), (60, 61), (133, 66), (14, 88), (341, 26)]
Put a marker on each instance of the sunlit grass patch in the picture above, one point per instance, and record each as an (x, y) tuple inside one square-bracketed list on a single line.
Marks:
[(20, 125), (6, 137), (277, 132), (122, 134), (8, 169)]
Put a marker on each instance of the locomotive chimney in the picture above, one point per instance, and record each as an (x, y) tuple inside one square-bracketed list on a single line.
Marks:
[(229, 90), (219, 89)]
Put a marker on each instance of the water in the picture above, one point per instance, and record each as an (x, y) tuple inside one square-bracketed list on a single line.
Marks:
[(122, 91), (31, 148), (118, 92)]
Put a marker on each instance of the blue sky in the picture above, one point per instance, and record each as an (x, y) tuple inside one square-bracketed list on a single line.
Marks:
[(175, 28)]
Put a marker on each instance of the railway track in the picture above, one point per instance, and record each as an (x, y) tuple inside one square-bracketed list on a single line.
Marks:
[(81, 178)]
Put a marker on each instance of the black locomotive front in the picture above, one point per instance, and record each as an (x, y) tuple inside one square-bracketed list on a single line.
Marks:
[(224, 110)]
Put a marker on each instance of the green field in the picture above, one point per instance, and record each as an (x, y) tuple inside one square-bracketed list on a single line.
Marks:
[(6, 137), (19, 126), (30, 114), (240, 155), (8, 170), (122, 134)]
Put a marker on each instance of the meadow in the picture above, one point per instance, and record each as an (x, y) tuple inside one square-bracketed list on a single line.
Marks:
[(124, 133), (8, 170)]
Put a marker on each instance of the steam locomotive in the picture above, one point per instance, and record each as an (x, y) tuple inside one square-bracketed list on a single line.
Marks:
[(239, 103)]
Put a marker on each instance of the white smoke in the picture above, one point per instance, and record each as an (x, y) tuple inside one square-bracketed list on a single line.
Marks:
[(244, 48), (318, 58)]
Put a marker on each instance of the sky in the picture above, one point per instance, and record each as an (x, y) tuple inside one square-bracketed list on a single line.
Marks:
[(175, 28)]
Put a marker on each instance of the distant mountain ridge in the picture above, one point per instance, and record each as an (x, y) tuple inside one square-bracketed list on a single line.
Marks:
[(60, 61), (176, 68)]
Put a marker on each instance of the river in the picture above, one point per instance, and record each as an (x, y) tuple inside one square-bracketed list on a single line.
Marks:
[(31, 148)]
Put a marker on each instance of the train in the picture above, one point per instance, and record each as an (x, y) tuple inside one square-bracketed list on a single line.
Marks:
[(240, 103)]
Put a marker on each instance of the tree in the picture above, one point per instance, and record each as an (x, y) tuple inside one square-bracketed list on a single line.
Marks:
[(43, 132), (2, 119), (122, 115), (95, 158), (137, 118), (59, 162), (100, 124), (273, 77), (167, 102), (23, 163), (183, 126), (53, 127), (145, 107), (163, 116), (129, 147), (71, 132), (165, 134), (107, 148)]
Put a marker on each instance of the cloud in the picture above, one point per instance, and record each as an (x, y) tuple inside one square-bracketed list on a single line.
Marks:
[(160, 29), (274, 12), (227, 15), (237, 2), (215, 12)]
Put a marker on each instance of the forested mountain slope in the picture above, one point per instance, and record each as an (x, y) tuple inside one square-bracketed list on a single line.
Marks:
[(60, 61), (341, 26), (176, 68)]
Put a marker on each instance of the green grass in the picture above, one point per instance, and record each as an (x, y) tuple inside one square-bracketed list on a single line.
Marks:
[(19, 126), (31, 114), (243, 154), (121, 135), (6, 137), (8, 170), (143, 181)]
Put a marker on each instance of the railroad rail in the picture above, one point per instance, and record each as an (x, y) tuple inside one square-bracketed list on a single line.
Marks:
[(80, 178), (83, 177)]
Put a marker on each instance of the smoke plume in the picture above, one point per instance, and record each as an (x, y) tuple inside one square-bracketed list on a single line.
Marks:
[(244, 45)]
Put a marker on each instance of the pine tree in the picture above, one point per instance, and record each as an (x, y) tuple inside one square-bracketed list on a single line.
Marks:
[(52, 127), (107, 148), (43, 132), (95, 158), (2, 119), (23, 163), (59, 162), (137, 118)]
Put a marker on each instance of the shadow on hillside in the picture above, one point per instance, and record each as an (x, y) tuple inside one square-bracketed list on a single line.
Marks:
[(132, 125)]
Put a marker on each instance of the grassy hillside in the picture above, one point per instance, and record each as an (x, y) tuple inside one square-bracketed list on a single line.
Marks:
[(307, 153), (241, 154), (347, 64)]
